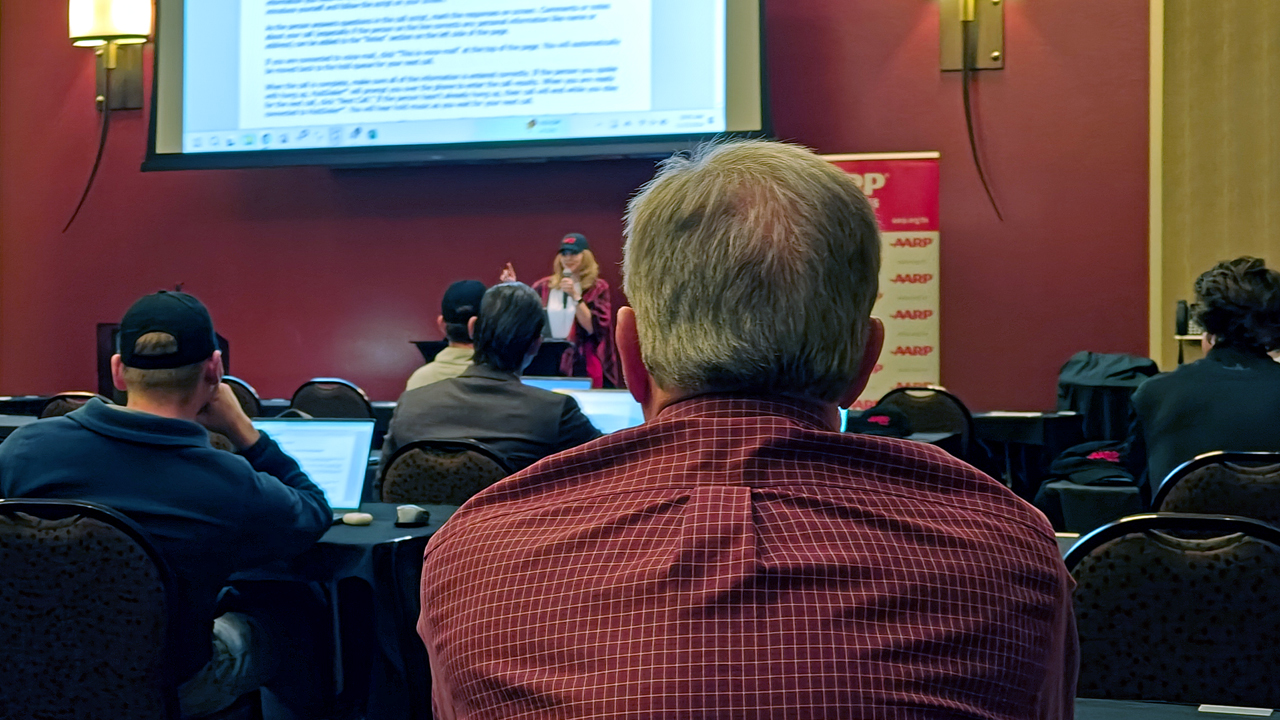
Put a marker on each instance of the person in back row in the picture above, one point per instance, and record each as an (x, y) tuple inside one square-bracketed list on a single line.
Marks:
[(737, 556), (1230, 399), (210, 513), (461, 303), (488, 403)]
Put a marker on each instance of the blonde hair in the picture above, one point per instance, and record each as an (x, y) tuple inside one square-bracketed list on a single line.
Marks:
[(180, 382), (588, 271), (752, 266)]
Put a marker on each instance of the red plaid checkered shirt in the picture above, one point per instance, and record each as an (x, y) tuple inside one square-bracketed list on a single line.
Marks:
[(731, 559)]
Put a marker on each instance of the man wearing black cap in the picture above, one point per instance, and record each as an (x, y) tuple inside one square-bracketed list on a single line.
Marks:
[(461, 303), (488, 403), (210, 513)]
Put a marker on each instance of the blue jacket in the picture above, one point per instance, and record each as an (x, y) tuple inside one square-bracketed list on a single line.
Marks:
[(209, 512)]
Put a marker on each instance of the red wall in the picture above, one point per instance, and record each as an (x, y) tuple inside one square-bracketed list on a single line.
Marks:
[(311, 272)]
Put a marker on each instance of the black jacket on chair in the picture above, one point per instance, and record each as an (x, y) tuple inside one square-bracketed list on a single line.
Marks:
[(1098, 387), (520, 423), (1230, 400)]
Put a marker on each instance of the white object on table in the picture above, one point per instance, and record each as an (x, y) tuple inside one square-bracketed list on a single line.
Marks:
[(1236, 710)]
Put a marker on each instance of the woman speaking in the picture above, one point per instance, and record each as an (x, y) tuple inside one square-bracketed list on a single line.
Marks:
[(579, 310)]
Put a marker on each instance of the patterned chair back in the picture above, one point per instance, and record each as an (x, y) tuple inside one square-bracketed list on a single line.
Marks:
[(932, 410), (1244, 484), (440, 472), (248, 397), (83, 615), (1177, 608), (63, 403), (331, 398)]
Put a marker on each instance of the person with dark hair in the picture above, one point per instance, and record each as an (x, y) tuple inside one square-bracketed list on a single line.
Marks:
[(487, 402), (461, 303), (1230, 399)]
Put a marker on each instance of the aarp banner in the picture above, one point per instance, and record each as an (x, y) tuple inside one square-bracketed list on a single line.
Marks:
[(903, 189)]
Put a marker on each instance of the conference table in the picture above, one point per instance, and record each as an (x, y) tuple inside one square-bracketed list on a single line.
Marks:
[(1024, 443), (370, 576), (23, 404), (9, 423)]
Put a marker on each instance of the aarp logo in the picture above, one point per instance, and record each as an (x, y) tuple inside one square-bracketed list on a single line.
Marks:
[(869, 183)]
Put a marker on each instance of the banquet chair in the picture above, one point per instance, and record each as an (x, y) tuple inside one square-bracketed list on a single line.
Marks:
[(1232, 483), (933, 409), (83, 614), (1176, 608), (331, 398), (84, 617), (250, 402), (63, 403), (440, 472)]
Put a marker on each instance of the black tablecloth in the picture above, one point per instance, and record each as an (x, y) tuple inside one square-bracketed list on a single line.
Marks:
[(9, 423), (371, 576), (346, 551), (23, 404), (1025, 444)]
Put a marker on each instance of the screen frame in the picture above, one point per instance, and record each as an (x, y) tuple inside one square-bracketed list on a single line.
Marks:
[(520, 151)]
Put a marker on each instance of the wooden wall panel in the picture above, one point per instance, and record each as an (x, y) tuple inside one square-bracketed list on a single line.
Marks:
[(1221, 166)]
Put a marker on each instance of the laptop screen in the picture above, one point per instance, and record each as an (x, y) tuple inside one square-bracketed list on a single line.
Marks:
[(614, 410), (608, 410), (558, 383), (333, 453)]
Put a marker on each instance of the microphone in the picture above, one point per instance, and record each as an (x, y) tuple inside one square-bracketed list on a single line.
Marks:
[(567, 274)]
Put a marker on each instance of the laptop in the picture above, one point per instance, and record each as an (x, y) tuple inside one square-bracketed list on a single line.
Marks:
[(558, 383), (334, 453), (608, 410)]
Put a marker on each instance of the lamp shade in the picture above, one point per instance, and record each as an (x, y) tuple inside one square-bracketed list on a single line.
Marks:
[(95, 22)]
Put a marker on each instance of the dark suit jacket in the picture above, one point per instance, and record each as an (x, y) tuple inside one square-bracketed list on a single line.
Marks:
[(1230, 400), (522, 424)]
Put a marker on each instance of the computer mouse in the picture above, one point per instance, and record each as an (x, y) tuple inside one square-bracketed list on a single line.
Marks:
[(357, 518)]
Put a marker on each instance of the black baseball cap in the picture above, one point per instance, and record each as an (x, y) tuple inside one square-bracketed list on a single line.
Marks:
[(462, 301), (175, 313), (574, 243)]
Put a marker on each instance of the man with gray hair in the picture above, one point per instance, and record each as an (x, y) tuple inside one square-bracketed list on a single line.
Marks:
[(736, 556)]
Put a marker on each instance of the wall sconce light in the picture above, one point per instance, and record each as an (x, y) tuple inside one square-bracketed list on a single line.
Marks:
[(116, 29), (985, 22)]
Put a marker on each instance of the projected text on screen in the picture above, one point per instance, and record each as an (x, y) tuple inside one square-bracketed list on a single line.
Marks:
[(319, 74), (306, 62)]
